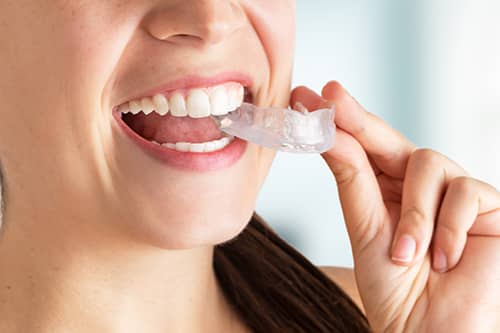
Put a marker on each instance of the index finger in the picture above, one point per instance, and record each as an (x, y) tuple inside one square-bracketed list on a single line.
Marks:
[(388, 148)]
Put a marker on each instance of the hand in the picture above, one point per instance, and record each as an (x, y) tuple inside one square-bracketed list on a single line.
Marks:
[(425, 236)]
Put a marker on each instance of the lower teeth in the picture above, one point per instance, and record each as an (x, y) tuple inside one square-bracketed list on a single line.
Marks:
[(205, 147)]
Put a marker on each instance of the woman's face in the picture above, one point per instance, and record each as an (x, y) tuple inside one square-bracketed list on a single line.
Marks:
[(69, 155)]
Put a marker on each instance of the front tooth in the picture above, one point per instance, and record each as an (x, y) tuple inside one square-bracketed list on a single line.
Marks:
[(234, 100), (182, 146), (219, 101), (161, 104), (240, 94), (147, 105), (197, 147), (178, 105), (169, 145), (135, 107), (218, 144), (198, 104), (210, 146)]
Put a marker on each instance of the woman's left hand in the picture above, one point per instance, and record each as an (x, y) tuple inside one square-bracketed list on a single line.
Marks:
[(425, 236)]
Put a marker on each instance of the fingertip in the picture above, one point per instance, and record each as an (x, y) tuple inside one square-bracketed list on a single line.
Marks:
[(439, 260), (306, 96), (333, 90), (404, 250)]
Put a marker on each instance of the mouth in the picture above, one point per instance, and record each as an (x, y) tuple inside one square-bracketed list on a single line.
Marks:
[(177, 127)]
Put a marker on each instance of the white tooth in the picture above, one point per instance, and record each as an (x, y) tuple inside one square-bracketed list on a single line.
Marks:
[(182, 146), (147, 105), (124, 108), (198, 104), (178, 105), (219, 101), (210, 146), (169, 145), (234, 100), (155, 142), (197, 147), (218, 144), (135, 107), (225, 141), (240, 94), (161, 104)]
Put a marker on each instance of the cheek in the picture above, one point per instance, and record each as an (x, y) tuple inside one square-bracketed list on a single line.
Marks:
[(274, 23)]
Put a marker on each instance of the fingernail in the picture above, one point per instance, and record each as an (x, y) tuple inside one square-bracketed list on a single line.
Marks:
[(405, 249), (440, 262)]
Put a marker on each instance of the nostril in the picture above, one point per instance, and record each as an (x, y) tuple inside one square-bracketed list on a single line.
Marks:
[(208, 22), (183, 38)]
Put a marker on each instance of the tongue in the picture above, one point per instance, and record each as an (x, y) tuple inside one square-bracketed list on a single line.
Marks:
[(172, 129)]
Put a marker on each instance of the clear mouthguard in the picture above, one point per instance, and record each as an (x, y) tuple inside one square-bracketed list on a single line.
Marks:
[(294, 131)]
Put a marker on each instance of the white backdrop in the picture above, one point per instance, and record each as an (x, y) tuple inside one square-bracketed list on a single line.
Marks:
[(431, 69)]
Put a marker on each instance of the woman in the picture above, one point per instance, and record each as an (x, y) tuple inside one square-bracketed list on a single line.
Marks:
[(119, 217)]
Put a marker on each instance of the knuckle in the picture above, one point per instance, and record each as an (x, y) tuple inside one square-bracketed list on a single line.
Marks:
[(465, 185), (346, 175), (414, 214), (448, 230), (415, 221), (426, 156)]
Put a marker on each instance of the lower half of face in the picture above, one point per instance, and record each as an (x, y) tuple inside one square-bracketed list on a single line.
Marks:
[(124, 113)]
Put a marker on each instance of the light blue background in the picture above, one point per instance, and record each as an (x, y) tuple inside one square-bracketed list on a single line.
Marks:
[(430, 69)]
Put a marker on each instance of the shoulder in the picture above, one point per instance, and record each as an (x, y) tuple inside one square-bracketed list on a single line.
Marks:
[(345, 279)]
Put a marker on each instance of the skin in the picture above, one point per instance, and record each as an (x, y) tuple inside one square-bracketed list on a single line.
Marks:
[(104, 228), (390, 189), (126, 246)]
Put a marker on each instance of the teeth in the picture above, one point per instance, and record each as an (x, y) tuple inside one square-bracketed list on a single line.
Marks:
[(205, 147), (199, 103), (234, 100), (124, 108), (169, 145), (218, 102), (197, 147), (147, 105), (135, 107), (182, 146), (178, 106), (161, 104)]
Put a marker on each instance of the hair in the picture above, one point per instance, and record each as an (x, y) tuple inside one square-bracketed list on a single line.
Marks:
[(276, 289)]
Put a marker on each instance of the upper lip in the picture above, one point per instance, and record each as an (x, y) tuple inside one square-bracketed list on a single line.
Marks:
[(195, 81)]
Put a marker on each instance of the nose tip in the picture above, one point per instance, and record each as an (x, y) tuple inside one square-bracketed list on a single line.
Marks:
[(205, 22)]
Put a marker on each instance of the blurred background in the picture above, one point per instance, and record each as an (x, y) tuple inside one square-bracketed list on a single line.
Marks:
[(430, 68)]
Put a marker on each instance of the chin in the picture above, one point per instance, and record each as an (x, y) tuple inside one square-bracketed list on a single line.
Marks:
[(197, 229)]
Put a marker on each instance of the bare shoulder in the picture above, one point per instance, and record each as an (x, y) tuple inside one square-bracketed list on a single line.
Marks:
[(344, 277)]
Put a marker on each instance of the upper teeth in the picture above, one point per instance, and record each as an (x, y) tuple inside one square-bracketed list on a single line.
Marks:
[(198, 103)]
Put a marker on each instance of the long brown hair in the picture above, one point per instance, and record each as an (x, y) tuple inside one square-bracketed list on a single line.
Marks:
[(276, 289)]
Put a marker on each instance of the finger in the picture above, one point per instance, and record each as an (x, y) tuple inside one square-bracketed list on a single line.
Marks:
[(386, 146), (427, 175), (359, 192), (310, 99), (468, 204)]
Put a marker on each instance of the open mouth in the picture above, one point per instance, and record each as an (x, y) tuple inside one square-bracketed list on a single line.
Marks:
[(181, 120)]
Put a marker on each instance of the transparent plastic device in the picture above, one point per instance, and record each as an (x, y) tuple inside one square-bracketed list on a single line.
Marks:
[(294, 131)]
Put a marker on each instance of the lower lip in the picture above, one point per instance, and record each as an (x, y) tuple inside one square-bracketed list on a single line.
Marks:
[(188, 161)]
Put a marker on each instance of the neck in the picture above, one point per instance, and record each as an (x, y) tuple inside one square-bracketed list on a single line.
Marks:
[(59, 280)]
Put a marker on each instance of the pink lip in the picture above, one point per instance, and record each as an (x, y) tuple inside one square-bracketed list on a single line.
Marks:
[(194, 81), (187, 161)]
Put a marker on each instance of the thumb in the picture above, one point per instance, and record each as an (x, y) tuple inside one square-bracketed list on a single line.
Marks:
[(359, 191)]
